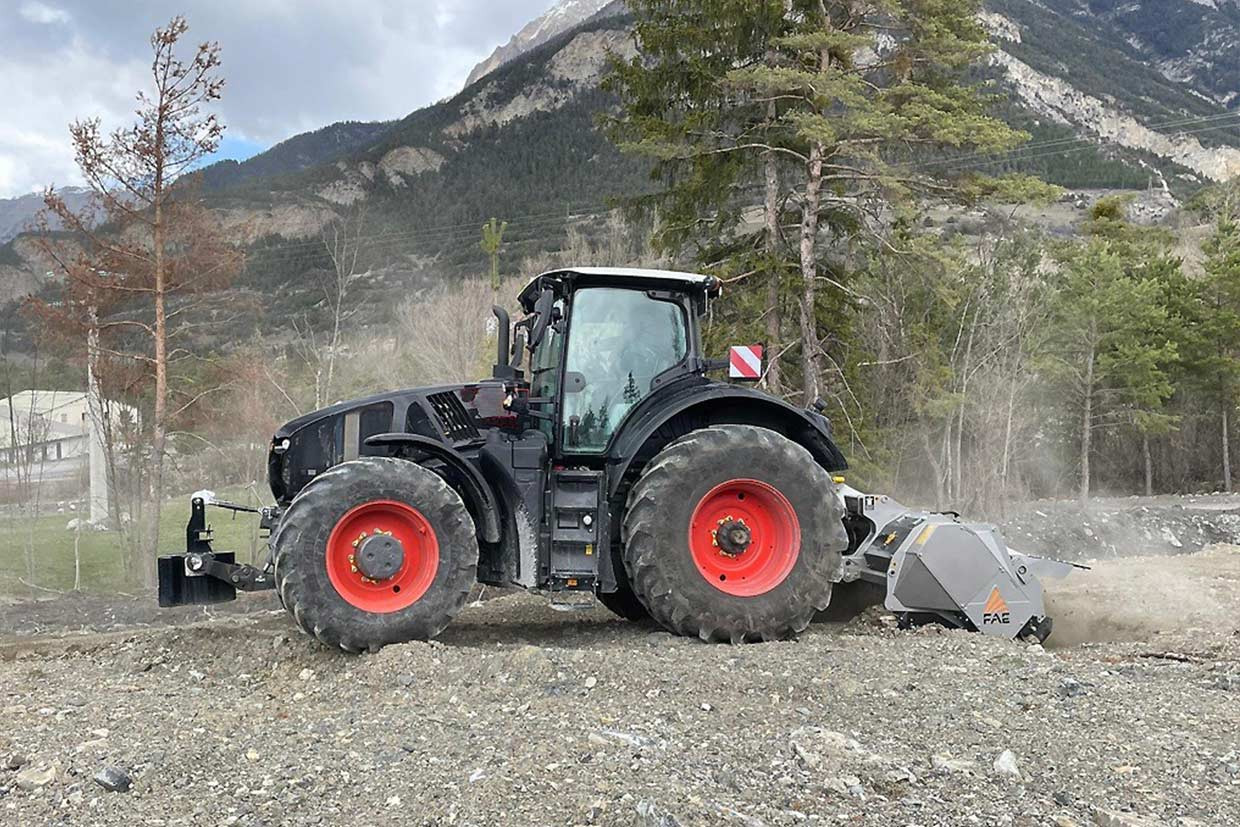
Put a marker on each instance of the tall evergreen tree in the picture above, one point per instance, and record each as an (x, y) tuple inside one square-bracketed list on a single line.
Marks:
[(1220, 331), (1146, 256), (1109, 351), (846, 98)]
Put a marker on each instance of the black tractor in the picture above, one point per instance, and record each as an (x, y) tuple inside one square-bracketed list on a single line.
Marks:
[(609, 465)]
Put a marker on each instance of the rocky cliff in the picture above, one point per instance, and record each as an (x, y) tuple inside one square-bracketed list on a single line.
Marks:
[(561, 17)]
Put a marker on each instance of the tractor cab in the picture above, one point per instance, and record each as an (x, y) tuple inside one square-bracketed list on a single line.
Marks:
[(601, 341)]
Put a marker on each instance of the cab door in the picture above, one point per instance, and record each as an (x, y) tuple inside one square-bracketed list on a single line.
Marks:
[(619, 341)]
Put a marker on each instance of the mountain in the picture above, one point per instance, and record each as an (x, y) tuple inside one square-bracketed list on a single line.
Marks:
[(1077, 71), (1143, 103), (16, 214), (297, 153), (1190, 42), (559, 18), (1110, 104)]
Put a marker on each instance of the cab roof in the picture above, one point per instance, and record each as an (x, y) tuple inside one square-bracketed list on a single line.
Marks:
[(618, 277)]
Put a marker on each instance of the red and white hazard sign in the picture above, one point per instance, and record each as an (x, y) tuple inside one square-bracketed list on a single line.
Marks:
[(745, 362)]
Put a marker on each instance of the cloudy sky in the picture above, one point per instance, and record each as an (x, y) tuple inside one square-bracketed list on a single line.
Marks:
[(291, 65)]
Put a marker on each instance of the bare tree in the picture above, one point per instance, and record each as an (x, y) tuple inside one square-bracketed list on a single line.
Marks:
[(445, 333), (342, 242), (27, 431), (144, 247)]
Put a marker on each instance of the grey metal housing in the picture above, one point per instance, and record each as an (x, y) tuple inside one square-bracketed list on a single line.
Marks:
[(935, 567)]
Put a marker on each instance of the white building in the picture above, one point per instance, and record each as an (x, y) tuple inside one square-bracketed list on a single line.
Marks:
[(45, 426), (49, 432)]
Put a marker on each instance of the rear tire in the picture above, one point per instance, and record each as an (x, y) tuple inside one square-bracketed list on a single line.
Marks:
[(330, 599), (730, 475), (623, 602)]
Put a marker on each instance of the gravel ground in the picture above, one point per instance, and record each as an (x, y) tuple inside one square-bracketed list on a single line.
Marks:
[(521, 715)]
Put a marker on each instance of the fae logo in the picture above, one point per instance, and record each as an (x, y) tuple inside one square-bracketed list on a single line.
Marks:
[(996, 609)]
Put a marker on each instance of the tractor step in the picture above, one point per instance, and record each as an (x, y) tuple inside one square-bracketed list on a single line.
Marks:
[(573, 601)]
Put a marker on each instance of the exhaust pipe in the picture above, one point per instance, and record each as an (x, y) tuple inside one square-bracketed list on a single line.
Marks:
[(502, 369)]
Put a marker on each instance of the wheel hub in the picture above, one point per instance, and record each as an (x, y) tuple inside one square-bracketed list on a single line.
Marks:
[(379, 556), (733, 537)]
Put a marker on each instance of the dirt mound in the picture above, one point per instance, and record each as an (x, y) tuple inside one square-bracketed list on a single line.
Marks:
[(1148, 598), (1135, 526)]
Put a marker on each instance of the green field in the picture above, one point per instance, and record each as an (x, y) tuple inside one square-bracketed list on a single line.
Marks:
[(101, 551)]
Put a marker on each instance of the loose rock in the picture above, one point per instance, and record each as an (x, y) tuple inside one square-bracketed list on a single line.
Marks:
[(35, 777), (113, 780), (1006, 764)]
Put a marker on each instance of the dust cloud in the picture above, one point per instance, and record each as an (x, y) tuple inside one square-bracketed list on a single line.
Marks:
[(1142, 598)]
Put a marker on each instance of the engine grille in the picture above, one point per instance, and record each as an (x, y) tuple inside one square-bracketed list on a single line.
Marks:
[(452, 417)]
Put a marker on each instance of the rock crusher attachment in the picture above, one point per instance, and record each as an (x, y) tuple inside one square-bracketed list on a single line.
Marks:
[(598, 462), (937, 569)]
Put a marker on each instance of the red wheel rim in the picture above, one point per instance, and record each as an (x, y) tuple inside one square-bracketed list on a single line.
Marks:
[(416, 573), (775, 537)]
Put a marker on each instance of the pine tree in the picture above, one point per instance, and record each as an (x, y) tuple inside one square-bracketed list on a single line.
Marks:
[(1146, 255), (710, 144), (1221, 323), (1109, 351), (492, 241), (847, 98), (632, 393), (145, 248)]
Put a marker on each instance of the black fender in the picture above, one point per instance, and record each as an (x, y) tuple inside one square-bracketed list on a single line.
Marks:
[(686, 406), (478, 495)]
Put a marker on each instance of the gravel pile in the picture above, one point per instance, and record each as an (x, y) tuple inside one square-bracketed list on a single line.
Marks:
[(1111, 528), (521, 715)]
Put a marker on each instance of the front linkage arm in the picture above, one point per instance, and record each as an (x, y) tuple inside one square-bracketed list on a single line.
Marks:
[(203, 575)]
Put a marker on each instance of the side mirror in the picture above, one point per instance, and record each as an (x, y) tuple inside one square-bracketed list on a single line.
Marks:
[(518, 351), (574, 381), (542, 318)]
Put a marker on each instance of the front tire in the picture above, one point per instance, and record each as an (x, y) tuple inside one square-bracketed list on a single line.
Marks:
[(733, 533), (410, 596)]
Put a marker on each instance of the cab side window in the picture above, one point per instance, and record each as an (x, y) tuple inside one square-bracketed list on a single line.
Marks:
[(619, 341)]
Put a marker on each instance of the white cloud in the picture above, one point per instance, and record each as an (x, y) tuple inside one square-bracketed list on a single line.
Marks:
[(290, 65), (42, 96), (42, 13)]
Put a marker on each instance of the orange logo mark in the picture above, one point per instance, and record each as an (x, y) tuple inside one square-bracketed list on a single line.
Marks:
[(995, 603), (996, 609)]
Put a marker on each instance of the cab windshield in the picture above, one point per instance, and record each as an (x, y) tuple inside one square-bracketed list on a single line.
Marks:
[(619, 341)]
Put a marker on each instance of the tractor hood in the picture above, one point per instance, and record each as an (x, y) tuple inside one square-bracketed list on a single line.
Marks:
[(456, 415)]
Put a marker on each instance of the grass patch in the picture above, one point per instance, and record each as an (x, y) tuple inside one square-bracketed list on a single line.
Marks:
[(102, 552)]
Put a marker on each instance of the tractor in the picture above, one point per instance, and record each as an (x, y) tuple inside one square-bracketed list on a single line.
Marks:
[(599, 462)]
